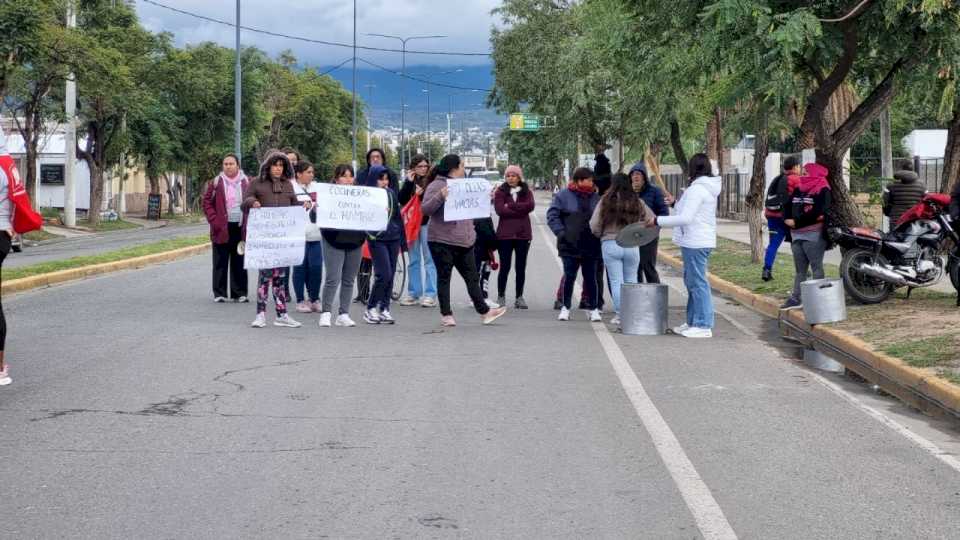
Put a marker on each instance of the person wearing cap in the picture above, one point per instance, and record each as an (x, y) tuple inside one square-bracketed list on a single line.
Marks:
[(513, 201), (654, 199)]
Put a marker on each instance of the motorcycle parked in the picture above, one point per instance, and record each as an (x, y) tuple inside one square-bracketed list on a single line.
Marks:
[(912, 255)]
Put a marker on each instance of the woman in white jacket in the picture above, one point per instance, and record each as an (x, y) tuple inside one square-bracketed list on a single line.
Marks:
[(695, 223)]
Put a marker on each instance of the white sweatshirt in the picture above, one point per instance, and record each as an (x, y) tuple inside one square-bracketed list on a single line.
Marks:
[(695, 215)]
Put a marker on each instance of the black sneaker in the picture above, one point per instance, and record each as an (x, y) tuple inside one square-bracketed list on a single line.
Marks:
[(767, 275), (791, 303), (520, 303)]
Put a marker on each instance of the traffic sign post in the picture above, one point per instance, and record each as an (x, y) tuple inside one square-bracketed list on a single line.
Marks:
[(525, 122)]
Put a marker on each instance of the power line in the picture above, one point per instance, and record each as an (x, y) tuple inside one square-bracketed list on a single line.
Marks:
[(424, 81), (301, 38), (336, 67)]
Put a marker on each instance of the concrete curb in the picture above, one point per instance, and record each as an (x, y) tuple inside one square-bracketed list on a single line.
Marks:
[(908, 382), (71, 274)]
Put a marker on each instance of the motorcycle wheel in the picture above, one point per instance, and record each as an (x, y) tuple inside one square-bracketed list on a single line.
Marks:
[(862, 288), (955, 274)]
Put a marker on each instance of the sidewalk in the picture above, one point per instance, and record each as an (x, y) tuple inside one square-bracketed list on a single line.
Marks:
[(740, 232)]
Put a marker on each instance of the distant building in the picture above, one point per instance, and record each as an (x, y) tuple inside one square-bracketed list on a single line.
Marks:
[(926, 143)]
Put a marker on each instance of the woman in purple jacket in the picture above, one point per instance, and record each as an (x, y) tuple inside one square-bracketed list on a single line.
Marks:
[(221, 204), (451, 243), (513, 202)]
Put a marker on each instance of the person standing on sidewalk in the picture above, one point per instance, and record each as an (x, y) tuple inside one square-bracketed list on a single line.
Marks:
[(778, 197), (342, 252), (652, 196), (422, 284), (221, 205), (903, 195), (451, 244), (384, 250), (696, 234), (806, 215), (618, 208), (273, 189), (569, 219), (309, 274), (513, 202)]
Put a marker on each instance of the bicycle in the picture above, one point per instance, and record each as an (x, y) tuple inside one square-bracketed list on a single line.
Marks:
[(365, 279)]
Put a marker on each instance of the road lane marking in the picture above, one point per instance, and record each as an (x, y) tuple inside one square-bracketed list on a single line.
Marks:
[(711, 521)]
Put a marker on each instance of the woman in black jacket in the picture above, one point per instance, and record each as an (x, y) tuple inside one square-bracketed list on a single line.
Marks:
[(384, 250)]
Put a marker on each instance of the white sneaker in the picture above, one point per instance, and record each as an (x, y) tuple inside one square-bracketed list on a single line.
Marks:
[(371, 316), (428, 301), (219, 299), (595, 316), (243, 300), (304, 307), (260, 321), (5, 375), (615, 320), (491, 304), (681, 329), (564, 314), (408, 300), (325, 319), (386, 317), (344, 320), (700, 333), (286, 322)]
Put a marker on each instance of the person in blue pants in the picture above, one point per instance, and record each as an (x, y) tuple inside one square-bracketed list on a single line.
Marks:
[(422, 273), (777, 198)]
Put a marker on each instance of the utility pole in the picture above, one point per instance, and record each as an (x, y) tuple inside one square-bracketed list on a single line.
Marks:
[(237, 94), (369, 88), (354, 84), (403, 87), (70, 136), (429, 156)]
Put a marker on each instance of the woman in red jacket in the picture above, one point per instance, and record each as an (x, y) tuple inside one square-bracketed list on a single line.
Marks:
[(513, 202), (221, 204)]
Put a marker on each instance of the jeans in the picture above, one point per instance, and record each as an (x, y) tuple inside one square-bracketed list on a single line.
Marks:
[(700, 300), (447, 257), (384, 254), (227, 263), (647, 271), (279, 278), (807, 255), (506, 248), (589, 267), (420, 257), (778, 232), (341, 268), (622, 264), (310, 273)]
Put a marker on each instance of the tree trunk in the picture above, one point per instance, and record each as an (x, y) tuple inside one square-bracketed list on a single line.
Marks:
[(951, 159), (758, 181), (718, 114), (96, 192), (845, 209), (677, 143), (154, 184), (711, 138)]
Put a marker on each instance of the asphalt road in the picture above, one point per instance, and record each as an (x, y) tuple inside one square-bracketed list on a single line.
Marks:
[(96, 244), (140, 409)]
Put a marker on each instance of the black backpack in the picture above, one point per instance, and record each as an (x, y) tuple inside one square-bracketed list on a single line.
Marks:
[(777, 196)]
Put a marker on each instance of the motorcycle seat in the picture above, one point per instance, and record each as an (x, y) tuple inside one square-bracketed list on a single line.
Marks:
[(902, 247)]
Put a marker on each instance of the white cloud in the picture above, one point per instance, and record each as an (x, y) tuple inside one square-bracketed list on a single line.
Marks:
[(466, 22)]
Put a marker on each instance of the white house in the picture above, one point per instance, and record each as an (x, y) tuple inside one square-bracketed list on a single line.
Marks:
[(51, 164)]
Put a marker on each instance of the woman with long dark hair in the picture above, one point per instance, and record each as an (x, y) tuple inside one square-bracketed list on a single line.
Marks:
[(341, 261), (451, 243), (514, 203), (695, 224), (618, 208), (422, 285)]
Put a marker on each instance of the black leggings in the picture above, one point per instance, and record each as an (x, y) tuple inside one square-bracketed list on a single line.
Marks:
[(446, 257), (506, 249), (571, 267), (4, 250)]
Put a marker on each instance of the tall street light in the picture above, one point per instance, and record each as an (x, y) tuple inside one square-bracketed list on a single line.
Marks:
[(429, 77), (450, 109), (403, 86)]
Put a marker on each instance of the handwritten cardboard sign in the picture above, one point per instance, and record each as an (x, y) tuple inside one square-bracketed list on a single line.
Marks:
[(467, 199), (352, 208), (275, 237)]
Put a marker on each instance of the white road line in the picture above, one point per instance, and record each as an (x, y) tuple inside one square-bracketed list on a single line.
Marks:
[(706, 512)]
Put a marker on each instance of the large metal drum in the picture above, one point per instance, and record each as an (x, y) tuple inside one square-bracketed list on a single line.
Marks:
[(823, 301), (644, 309)]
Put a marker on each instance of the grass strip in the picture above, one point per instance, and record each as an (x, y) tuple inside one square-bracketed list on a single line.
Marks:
[(927, 352), (110, 256), (107, 226)]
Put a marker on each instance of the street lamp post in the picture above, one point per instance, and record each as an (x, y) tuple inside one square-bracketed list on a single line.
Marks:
[(429, 77), (403, 86)]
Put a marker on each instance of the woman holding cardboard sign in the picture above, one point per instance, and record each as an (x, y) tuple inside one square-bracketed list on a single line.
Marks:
[(272, 189), (341, 261), (451, 243)]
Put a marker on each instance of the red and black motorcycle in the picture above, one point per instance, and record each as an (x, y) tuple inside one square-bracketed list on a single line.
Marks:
[(912, 255)]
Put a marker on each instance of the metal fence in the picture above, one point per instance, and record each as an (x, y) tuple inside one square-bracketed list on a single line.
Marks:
[(732, 202)]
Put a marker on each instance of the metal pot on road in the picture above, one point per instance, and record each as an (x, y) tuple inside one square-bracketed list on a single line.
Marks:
[(644, 309), (823, 301)]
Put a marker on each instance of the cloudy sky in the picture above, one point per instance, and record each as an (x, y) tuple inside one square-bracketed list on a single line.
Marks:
[(466, 22)]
